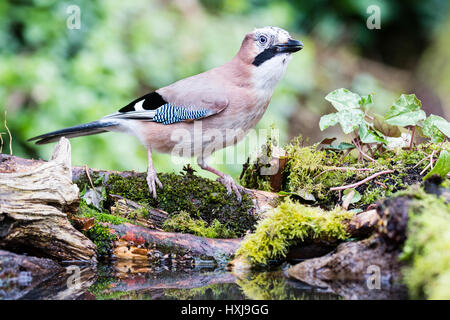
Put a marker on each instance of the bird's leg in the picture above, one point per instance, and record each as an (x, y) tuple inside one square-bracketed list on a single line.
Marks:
[(224, 178), (152, 178)]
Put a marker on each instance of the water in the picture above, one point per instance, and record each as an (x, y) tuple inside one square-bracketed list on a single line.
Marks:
[(130, 281)]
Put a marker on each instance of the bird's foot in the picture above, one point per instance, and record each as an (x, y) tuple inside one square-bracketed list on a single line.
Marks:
[(231, 185), (152, 181)]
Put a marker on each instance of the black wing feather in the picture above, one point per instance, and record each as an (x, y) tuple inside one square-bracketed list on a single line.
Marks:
[(152, 101)]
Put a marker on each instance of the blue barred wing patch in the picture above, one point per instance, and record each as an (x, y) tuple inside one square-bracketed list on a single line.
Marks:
[(169, 113)]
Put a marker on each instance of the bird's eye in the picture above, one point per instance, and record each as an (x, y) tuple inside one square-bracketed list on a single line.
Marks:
[(262, 39)]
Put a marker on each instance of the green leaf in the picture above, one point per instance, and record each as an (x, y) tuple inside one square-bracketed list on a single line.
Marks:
[(344, 99), (356, 196), (342, 146), (366, 101), (369, 136), (345, 146), (385, 128), (442, 166), (328, 120), (405, 111), (350, 119), (95, 197), (436, 128)]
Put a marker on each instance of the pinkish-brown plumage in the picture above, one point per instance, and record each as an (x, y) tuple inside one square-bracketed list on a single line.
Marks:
[(231, 99)]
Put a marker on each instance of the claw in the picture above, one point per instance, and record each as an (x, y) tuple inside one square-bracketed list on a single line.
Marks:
[(152, 181), (231, 185)]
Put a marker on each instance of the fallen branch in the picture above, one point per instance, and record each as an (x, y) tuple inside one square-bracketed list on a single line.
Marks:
[(180, 243), (354, 185), (34, 199), (343, 169), (359, 147)]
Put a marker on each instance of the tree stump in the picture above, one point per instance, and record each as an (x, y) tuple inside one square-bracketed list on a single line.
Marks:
[(34, 199)]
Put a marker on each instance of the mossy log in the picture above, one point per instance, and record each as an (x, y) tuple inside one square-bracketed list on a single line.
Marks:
[(132, 236), (47, 241), (262, 200), (34, 199), (137, 243), (362, 225), (348, 270), (154, 218)]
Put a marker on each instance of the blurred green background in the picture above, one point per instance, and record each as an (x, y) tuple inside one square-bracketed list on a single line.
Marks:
[(53, 77)]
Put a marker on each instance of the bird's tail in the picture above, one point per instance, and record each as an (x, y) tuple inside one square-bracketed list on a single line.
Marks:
[(85, 129)]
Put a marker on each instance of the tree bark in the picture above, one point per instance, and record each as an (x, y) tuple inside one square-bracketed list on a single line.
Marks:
[(34, 195), (137, 243), (34, 199)]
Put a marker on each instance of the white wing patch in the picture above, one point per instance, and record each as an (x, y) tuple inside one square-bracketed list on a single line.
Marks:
[(139, 105)]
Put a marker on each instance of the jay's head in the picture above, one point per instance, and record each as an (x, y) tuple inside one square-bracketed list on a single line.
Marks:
[(268, 50), (264, 44)]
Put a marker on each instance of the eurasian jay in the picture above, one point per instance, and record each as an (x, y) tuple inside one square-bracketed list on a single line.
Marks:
[(214, 109)]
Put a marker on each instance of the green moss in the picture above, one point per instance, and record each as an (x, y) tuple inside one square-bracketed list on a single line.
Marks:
[(102, 237), (88, 212), (251, 173), (427, 248), (313, 171), (183, 222), (201, 198), (251, 177), (289, 224)]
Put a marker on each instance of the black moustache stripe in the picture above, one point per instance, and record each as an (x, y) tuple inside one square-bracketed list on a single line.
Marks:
[(267, 54)]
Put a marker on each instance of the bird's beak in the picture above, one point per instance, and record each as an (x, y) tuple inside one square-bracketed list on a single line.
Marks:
[(290, 46)]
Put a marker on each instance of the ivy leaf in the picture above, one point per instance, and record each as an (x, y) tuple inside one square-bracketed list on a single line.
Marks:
[(385, 128), (442, 166), (95, 197), (328, 120), (344, 99), (369, 136), (436, 128), (341, 146), (345, 146), (405, 111), (350, 119), (355, 198), (366, 101)]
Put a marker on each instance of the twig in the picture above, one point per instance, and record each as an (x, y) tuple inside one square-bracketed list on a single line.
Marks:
[(1, 141), (343, 169), (354, 185), (422, 172), (345, 154), (10, 137), (431, 156), (417, 164), (86, 168), (361, 151), (381, 184), (412, 137)]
